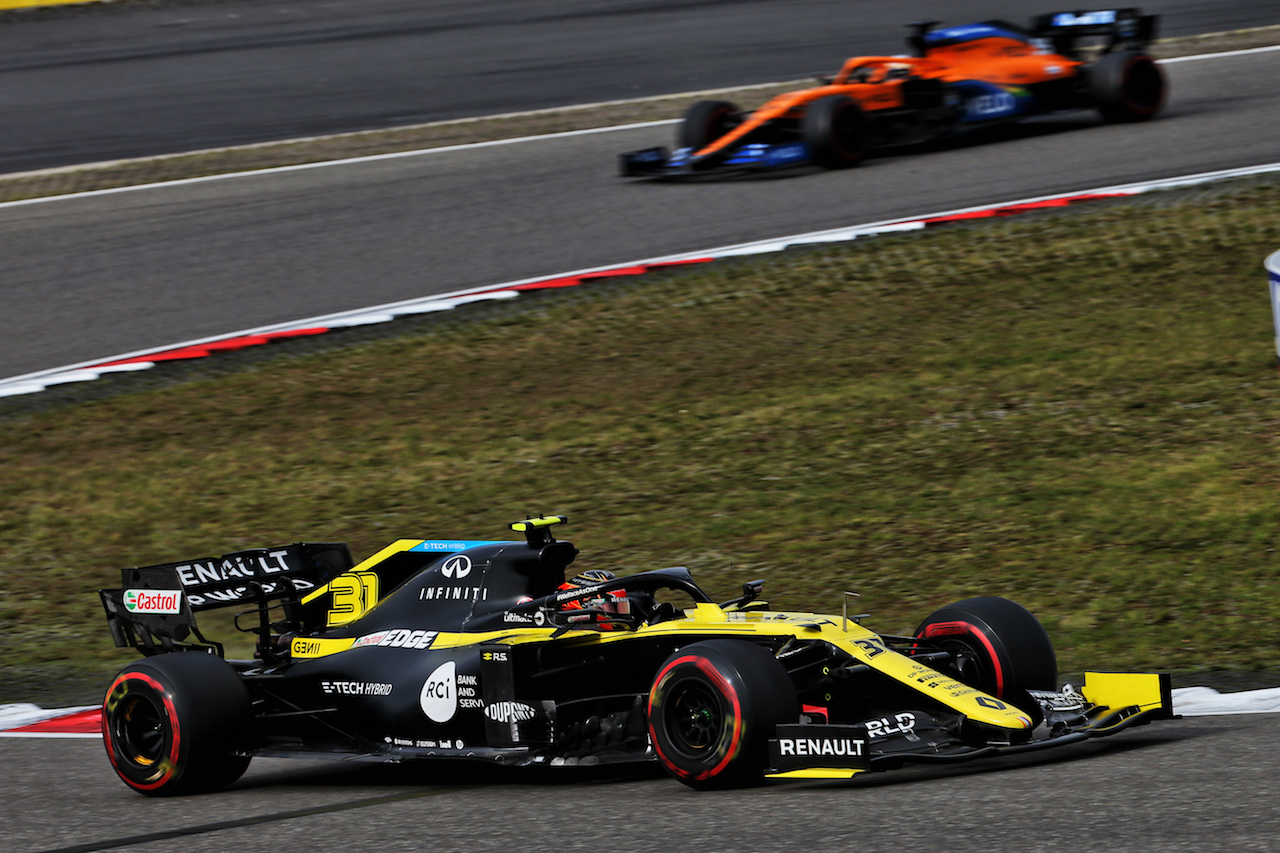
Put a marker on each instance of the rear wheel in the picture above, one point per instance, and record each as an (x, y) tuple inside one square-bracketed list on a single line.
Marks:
[(171, 723), (837, 131), (712, 708), (1127, 86), (707, 121), (997, 646)]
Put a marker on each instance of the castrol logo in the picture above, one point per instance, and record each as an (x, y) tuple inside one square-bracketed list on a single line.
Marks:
[(165, 601)]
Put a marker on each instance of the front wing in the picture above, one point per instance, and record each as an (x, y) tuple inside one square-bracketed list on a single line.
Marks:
[(752, 157), (1106, 704)]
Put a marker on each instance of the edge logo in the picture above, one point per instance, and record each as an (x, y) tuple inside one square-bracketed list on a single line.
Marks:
[(439, 696), (397, 638)]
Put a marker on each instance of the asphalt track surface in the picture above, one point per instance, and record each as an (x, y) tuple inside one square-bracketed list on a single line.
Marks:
[(98, 276), (79, 84), (1196, 784)]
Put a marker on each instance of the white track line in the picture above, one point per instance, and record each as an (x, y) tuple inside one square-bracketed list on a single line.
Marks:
[(371, 158), (323, 164), (1248, 51)]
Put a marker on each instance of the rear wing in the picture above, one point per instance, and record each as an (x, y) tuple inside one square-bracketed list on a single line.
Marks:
[(154, 610), (1122, 29)]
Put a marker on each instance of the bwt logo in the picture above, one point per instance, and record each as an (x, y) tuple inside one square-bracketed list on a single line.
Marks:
[(456, 567)]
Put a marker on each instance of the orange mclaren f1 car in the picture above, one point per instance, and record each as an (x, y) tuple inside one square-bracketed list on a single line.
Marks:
[(956, 80)]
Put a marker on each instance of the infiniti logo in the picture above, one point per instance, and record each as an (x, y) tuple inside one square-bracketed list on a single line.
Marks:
[(456, 567)]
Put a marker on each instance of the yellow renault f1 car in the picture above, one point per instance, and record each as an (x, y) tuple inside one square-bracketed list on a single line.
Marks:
[(457, 649)]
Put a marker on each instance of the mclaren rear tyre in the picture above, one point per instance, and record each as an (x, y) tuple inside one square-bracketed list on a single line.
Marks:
[(1127, 86), (997, 646), (837, 132), (707, 121), (171, 724), (713, 707)]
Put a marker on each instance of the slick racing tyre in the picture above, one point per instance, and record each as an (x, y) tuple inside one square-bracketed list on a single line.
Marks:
[(707, 121), (837, 132), (712, 708), (997, 646), (1126, 86), (170, 724)]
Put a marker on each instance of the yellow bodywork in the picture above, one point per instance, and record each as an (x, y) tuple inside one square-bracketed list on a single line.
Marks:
[(355, 591), (1141, 691), (817, 773), (709, 620)]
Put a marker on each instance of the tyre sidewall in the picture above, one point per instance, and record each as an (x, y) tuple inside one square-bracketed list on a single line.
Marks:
[(202, 710), (1011, 644), (1112, 80), (753, 693)]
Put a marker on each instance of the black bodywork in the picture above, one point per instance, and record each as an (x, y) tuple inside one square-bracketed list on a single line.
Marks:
[(479, 650)]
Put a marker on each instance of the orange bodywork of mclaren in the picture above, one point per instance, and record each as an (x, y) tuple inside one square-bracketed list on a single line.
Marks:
[(875, 82), (956, 79)]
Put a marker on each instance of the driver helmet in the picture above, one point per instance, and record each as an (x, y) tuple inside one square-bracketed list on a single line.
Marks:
[(613, 601)]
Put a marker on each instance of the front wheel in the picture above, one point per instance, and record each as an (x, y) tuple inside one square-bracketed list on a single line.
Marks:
[(171, 724), (712, 708), (1127, 86), (707, 121), (997, 646)]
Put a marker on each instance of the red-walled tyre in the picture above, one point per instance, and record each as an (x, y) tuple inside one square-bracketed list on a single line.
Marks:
[(171, 724), (713, 707), (1127, 86), (997, 646)]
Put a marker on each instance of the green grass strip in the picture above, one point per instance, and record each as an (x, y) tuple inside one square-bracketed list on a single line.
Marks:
[(1078, 411)]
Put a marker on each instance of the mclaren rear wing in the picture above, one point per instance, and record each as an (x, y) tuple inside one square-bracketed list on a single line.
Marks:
[(1122, 29)]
